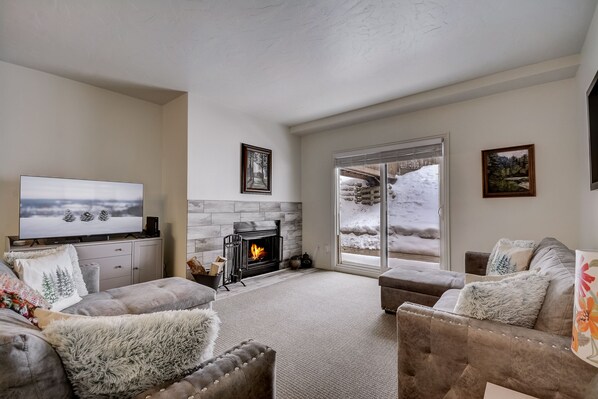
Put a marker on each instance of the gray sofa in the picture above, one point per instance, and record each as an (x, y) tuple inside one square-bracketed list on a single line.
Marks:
[(32, 369), (444, 355)]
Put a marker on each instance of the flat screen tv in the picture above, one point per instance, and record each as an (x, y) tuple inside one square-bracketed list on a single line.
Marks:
[(56, 207)]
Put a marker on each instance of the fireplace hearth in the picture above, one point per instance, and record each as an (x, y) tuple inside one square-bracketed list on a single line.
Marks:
[(261, 246)]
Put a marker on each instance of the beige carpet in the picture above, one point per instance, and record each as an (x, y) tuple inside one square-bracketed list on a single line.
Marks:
[(331, 337), (264, 280)]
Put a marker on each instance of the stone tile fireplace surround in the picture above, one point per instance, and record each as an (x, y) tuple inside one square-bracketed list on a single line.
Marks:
[(209, 221)]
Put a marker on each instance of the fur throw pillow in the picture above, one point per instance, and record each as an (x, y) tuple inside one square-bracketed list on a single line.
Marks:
[(121, 356), (515, 300)]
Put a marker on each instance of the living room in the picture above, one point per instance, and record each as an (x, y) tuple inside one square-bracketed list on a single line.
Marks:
[(114, 92)]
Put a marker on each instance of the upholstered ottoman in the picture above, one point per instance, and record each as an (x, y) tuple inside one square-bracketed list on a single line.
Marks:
[(418, 284), (173, 293)]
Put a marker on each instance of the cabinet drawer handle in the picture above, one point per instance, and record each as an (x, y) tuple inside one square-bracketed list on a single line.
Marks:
[(118, 250), (135, 268), (118, 267)]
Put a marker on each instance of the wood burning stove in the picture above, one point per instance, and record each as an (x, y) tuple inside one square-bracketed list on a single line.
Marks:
[(261, 246)]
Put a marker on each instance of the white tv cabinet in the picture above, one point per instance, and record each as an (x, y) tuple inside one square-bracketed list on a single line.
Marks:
[(122, 261)]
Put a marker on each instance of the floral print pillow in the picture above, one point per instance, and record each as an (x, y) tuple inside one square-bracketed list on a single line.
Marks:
[(17, 296)]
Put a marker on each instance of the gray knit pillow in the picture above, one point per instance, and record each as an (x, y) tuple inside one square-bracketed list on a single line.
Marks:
[(515, 300), (121, 356)]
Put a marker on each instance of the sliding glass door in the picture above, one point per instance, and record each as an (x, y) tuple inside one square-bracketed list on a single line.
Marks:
[(359, 214), (389, 206), (413, 203)]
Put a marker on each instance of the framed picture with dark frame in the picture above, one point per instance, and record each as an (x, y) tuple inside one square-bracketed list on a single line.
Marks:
[(256, 170), (509, 172)]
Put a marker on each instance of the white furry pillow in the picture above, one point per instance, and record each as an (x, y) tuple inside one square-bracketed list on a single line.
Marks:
[(514, 300), (121, 356)]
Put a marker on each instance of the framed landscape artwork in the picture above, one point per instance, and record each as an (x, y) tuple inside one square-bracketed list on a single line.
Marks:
[(256, 170), (509, 172)]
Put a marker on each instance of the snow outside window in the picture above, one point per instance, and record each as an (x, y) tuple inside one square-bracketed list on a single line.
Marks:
[(395, 191)]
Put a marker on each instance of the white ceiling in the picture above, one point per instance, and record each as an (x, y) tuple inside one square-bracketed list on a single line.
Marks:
[(287, 61)]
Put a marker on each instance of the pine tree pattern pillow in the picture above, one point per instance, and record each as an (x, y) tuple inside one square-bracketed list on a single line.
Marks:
[(52, 275), (11, 257), (509, 256)]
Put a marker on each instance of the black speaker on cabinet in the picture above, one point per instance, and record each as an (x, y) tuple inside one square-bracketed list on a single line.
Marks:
[(151, 226)]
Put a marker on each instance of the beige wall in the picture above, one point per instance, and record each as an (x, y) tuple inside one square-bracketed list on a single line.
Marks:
[(51, 126), (588, 209), (174, 185), (215, 136), (543, 115)]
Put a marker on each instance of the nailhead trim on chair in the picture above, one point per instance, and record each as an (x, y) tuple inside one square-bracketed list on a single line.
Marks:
[(268, 349), (566, 348)]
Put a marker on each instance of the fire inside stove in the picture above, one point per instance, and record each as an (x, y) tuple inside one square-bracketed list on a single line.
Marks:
[(257, 253)]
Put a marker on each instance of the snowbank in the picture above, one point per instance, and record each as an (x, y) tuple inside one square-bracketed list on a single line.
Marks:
[(413, 222)]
